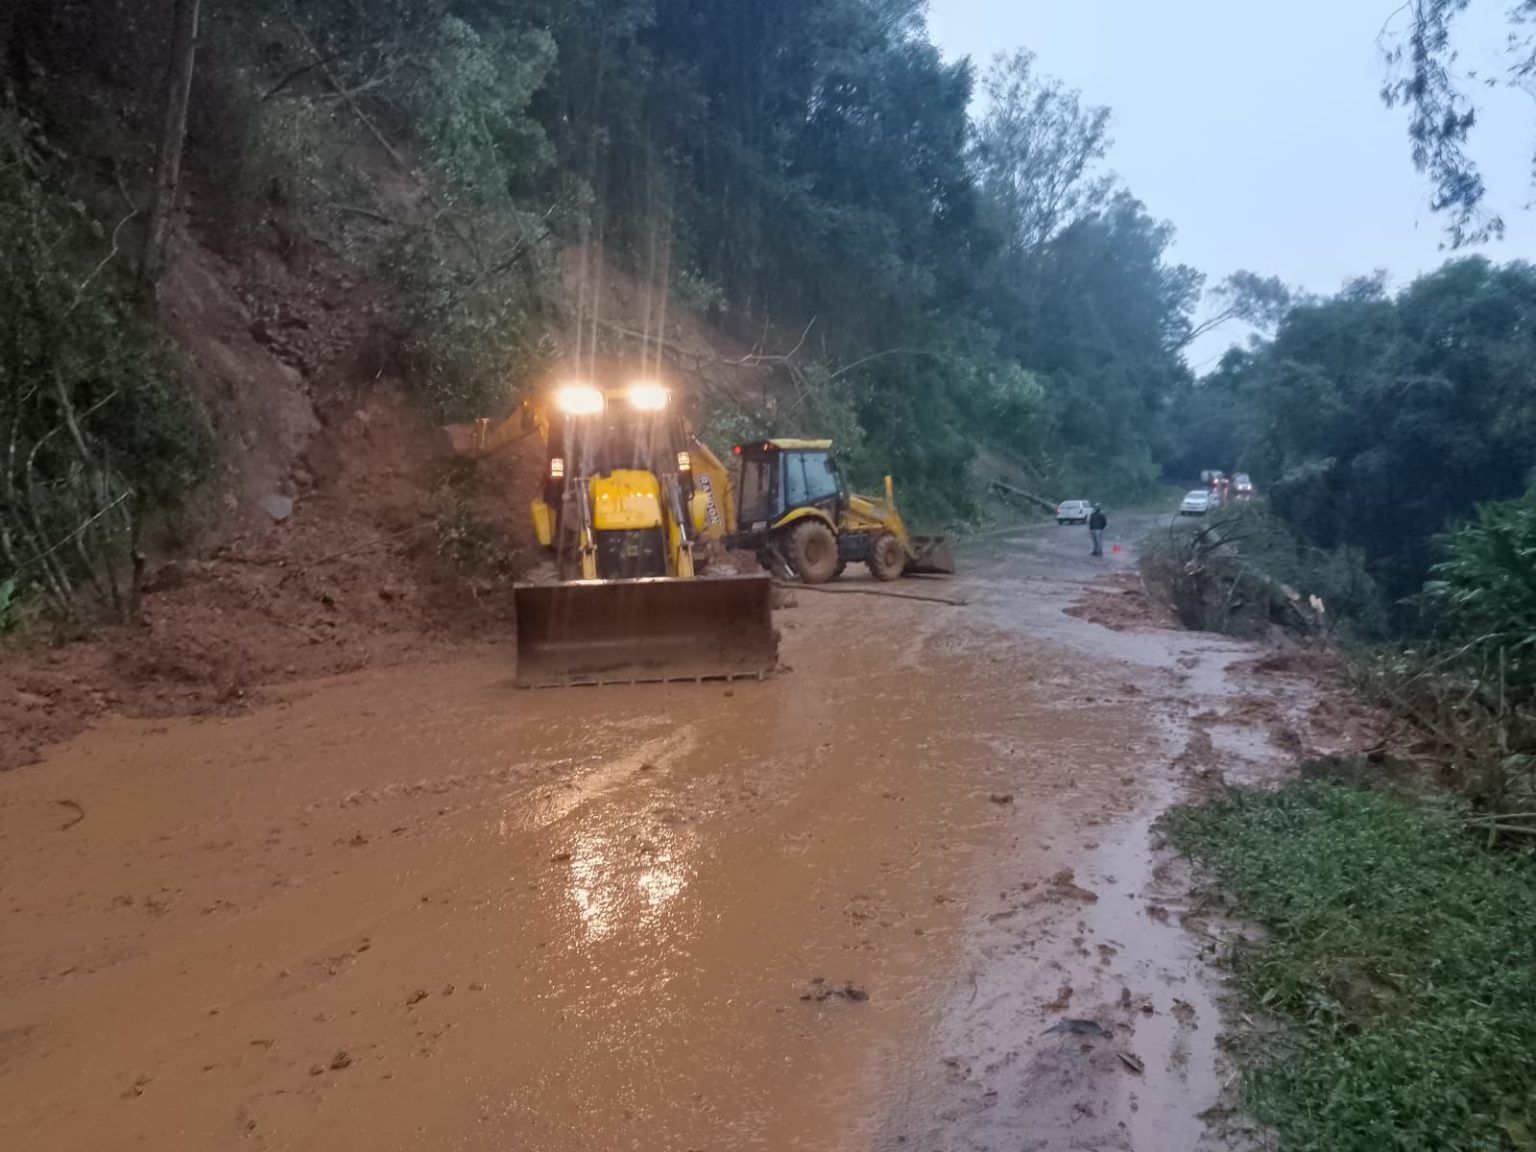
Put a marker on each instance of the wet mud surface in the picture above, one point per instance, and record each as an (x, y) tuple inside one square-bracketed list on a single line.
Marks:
[(904, 895)]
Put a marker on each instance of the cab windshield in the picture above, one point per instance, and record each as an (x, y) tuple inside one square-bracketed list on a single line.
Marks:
[(809, 478), (619, 438)]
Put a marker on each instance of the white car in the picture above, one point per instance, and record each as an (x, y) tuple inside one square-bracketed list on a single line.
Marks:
[(1074, 511), (1198, 503)]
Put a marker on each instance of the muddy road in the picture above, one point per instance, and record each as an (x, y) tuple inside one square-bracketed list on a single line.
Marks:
[(846, 908)]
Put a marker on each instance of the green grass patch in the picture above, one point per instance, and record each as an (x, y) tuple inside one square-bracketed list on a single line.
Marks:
[(1400, 957)]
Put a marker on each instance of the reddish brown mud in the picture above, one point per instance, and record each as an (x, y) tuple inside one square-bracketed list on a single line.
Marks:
[(855, 906)]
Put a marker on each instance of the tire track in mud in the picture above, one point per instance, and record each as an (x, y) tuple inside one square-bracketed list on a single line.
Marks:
[(1088, 1016)]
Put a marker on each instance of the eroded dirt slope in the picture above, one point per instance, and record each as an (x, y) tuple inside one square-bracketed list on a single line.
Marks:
[(337, 531)]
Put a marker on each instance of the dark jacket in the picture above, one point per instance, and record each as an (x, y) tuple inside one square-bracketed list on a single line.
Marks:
[(1098, 520)]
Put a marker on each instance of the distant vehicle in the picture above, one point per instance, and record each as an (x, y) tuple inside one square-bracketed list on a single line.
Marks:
[(1198, 503), (1074, 511), (1242, 486)]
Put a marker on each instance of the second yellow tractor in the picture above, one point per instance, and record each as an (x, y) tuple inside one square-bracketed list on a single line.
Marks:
[(795, 511)]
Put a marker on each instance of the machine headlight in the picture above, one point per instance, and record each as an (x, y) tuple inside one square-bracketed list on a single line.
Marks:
[(684, 462), (648, 397), (579, 400), (557, 468)]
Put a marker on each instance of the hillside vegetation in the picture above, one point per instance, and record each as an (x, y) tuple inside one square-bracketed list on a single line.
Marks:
[(807, 177), (1376, 420), (928, 260)]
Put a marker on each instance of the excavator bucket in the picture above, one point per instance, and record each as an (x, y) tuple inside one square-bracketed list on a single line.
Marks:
[(931, 557), (633, 631)]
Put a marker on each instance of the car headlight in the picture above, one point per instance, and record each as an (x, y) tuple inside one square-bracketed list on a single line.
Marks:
[(579, 400), (648, 397)]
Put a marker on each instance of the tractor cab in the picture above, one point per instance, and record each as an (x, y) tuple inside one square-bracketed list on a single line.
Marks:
[(779, 478)]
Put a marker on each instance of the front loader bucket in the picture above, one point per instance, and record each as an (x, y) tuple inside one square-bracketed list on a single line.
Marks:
[(931, 557), (631, 631)]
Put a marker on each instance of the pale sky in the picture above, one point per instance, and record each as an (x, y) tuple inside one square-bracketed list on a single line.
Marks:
[(1257, 129)]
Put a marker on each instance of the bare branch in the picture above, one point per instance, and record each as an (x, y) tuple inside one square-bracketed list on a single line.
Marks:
[(757, 359), (330, 58), (863, 360), (105, 260)]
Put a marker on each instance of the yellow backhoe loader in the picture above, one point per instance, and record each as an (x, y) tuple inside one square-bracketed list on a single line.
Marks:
[(793, 508), (622, 515)]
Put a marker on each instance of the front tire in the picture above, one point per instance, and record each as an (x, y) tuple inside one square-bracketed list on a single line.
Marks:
[(812, 550), (887, 558)]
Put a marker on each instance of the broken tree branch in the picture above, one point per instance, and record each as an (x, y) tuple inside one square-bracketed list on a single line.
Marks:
[(863, 360), (305, 69), (758, 359)]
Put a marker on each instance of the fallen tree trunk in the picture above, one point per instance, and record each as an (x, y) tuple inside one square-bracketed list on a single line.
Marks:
[(1009, 490)]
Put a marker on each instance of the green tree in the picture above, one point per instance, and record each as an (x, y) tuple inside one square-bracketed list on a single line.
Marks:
[(1260, 302), (1441, 115), (1374, 420), (1037, 151)]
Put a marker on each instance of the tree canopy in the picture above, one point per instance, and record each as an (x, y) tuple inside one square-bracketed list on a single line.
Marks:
[(937, 245), (1377, 421), (815, 163)]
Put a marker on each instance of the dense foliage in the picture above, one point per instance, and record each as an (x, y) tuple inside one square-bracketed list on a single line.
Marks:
[(1377, 421), (1485, 584), (97, 430), (806, 163), (1398, 957), (816, 161)]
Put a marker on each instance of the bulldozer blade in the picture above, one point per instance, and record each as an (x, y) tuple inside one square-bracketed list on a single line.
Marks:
[(931, 557), (634, 631)]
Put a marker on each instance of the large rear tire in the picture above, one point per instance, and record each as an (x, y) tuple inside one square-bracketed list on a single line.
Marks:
[(887, 558), (812, 550)]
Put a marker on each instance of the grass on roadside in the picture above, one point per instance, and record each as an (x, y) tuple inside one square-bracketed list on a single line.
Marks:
[(1400, 957)]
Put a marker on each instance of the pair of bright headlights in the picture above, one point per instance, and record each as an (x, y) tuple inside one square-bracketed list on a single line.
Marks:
[(585, 400)]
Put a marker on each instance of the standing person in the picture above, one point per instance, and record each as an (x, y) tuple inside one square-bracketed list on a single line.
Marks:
[(1096, 525)]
